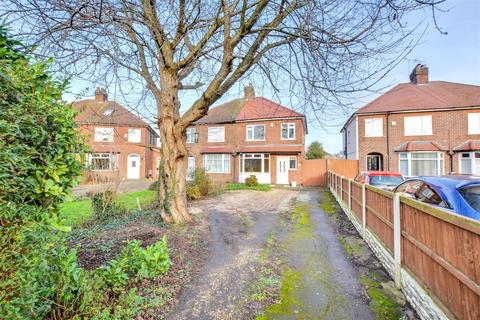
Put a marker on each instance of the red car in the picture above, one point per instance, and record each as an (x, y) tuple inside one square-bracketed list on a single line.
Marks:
[(381, 179)]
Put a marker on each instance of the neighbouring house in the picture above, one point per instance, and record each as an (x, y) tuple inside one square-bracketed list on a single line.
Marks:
[(248, 136), (122, 145), (418, 128)]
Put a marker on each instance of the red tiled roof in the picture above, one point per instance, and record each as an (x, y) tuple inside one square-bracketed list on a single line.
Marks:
[(432, 95), (469, 145), (107, 112), (419, 146), (248, 109), (273, 149)]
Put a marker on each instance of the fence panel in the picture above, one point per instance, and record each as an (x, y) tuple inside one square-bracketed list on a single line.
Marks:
[(444, 255), (380, 215), (357, 200), (345, 191)]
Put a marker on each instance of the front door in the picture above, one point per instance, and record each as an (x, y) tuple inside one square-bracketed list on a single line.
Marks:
[(282, 169), (133, 166)]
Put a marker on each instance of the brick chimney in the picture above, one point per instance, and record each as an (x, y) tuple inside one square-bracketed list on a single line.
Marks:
[(249, 92), (419, 74), (101, 95)]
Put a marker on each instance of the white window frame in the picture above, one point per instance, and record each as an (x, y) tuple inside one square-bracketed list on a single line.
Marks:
[(474, 128), (410, 131), (131, 136), (221, 132), (191, 135), (225, 157), (472, 159), (440, 161), (191, 172), (112, 157), (289, 126), (259, 156), (376, 130), (99, 136), (251, 128)]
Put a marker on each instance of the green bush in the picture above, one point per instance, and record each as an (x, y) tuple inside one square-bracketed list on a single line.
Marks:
[(203, 182), (105, 206), (39, 163), (193, 192), (251, 181), (138, 262)]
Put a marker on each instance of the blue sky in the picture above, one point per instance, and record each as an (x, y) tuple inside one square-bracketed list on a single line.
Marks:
[(453, 57)]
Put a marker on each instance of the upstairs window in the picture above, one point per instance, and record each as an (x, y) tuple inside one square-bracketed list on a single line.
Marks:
[(474, 123), (103, 135), (216, 134), (374, 127), (192, 136), (135, 135), (288, 131), (418, 126), (256, 132)]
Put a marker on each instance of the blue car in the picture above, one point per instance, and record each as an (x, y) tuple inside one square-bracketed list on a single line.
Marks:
[(459, 193)]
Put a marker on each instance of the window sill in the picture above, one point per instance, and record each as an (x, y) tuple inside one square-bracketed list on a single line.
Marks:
[(418, 135), (103, 141), (288, 139), (255, 140)]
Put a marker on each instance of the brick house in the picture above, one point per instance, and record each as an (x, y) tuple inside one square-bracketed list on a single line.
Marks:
[(418, 128), (248, 136), (122, 146)]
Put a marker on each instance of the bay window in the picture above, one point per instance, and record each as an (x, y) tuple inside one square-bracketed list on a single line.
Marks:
[(469, 163), (255, 163), (102, 161), (421, 163), (217, 163)]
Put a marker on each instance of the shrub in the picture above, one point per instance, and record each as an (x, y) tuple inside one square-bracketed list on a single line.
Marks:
[(203, 182), (39, 163), (193, 192), (104, 205), (251, 181), (154, 186)]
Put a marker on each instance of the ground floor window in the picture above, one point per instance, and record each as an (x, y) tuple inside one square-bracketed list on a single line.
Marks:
[(255, 163), (421, 163), (217, 163), (469, 163), (191, 168), (102, 161)]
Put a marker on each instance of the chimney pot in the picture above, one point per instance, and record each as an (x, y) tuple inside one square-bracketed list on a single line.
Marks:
[(101, 95), (249, 92), (419, 74)]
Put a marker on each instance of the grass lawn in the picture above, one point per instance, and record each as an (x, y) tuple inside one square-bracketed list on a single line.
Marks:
[(75, 212), (242, 186)]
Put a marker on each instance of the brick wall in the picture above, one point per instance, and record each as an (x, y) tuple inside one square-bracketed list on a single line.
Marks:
[(449, 129), (148, 154)]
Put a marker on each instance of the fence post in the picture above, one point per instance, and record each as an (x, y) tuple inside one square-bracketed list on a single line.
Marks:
[(350, 194), (364, 208), (341, 188), (397, 236)]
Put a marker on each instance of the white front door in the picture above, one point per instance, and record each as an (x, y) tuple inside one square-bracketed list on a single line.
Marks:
[(133, 166), (282, 169)]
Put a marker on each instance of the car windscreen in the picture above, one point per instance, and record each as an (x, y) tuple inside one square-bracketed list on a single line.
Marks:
[(385, 180), (472, 196)]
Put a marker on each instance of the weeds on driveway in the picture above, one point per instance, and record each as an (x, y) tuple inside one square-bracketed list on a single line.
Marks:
[(242, 186)]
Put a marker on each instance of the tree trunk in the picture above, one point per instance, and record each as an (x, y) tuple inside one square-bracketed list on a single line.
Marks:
[(174, 154)]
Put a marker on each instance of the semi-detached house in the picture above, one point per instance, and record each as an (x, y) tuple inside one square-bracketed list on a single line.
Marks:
[(121, 145), (248, 136), (418, 128)]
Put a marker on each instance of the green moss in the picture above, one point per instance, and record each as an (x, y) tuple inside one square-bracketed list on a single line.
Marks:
[(301, 217), (242, 186), (383, 306), (328, 203), (348, 249)]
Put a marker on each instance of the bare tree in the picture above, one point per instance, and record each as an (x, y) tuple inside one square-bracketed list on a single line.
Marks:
[(326, 49)]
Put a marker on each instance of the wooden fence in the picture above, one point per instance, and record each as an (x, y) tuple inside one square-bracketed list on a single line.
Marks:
[(314, 172), (422, 246)]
